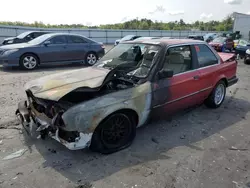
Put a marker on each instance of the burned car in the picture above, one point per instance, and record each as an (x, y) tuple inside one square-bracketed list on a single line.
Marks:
[(101, 106)]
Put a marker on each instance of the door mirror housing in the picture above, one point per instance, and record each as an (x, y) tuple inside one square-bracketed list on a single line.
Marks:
[(46, 43), (165, 73)]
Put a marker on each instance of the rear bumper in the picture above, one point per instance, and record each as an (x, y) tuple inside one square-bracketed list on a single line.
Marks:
[(232, 81), (30, 121)]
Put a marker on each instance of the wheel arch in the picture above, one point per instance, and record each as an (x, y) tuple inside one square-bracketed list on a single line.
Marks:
[(91, 51), (223, 78), (128, 111)]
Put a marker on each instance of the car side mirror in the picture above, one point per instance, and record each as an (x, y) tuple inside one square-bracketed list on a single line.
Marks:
[(165, 73), (46, 43)]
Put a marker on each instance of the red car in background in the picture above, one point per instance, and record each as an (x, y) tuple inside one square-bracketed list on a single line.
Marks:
[(221, 44)]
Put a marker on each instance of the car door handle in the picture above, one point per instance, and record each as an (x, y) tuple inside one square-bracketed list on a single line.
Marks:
[(196, 77)]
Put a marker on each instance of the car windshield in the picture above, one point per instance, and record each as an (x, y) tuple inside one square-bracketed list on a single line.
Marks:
[(139, 56), (40, 39), (219, 39), (128, 37), (22, 35), (243, 42)]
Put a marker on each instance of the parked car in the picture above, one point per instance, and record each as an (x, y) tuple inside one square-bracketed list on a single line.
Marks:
[(222, 44), (196, 37), (50, 48), (126, 38), (241, 48), (23, 37), (210, 36), (101, 106), (247, 57)]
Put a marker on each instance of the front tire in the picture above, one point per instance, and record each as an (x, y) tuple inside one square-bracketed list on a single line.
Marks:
[(91, 58), (28, 61), (115, 133), (217, 96)]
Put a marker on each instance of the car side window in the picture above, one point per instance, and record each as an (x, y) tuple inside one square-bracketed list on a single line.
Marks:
[(37, 34), (205, 56), (58, 40), (76, 39), (178, 59)]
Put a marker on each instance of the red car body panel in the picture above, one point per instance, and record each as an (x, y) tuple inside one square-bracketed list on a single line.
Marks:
[(193, 87)]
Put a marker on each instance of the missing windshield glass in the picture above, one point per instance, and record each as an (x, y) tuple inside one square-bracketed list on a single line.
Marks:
[(136, 59)]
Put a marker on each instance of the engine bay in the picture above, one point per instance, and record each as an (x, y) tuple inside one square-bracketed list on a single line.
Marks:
[(84, 94)]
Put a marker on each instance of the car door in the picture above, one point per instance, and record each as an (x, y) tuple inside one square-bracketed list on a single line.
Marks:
[(55, 49), (207, 66), (183, 89), (77, 47)]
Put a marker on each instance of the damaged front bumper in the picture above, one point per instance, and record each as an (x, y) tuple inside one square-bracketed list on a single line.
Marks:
[(29, 118)]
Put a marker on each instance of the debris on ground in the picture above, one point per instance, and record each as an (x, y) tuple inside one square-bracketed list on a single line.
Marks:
[(183, 136), (52, 150), (237, 149), (16, 154), (155, 140), (10, 127), (1, 141), (85, 185), (193, 170), (227, 168), (248, 184), (204, 131), (19, 173)]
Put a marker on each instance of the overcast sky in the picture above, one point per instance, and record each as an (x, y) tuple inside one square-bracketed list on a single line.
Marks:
[(95, 12)]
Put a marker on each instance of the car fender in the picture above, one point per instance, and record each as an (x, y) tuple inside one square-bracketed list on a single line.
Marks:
[(86, 116)]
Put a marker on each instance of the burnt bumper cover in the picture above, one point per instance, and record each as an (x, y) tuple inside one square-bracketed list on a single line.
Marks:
[(29, 119)]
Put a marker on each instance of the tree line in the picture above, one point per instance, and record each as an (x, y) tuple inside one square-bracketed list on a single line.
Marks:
[(143, 24)]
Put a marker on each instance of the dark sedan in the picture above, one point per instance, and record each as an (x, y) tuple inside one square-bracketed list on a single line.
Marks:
[(126, 38), (241, 48), (52, 48), (24, 37)]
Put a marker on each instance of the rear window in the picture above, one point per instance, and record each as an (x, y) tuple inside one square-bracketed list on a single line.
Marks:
[(76, 39)]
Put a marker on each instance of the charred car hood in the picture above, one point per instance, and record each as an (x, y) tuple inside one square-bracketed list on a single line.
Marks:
[(55, 86)]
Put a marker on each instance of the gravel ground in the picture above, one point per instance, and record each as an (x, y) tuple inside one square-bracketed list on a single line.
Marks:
[(195, 149)]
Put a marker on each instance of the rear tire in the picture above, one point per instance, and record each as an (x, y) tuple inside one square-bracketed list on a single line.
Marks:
[(91, 58), (28, 61), (217, 96), (247, 62), (115, 133)]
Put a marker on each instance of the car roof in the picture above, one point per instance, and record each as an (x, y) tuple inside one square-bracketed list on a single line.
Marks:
[(58, 34), (167, 42)]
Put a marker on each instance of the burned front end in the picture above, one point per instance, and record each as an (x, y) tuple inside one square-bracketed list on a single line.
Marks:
[(45, 116)]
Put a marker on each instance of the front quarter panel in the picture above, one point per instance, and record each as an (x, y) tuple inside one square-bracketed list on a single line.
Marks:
[(86, 116)]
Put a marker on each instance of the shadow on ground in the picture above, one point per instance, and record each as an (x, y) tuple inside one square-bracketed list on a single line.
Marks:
[(152, 142)]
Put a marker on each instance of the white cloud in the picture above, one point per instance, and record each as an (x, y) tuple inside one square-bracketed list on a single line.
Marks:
[(158, 9), (178, 12), (248, 12), (204, 16), (233, 2)]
